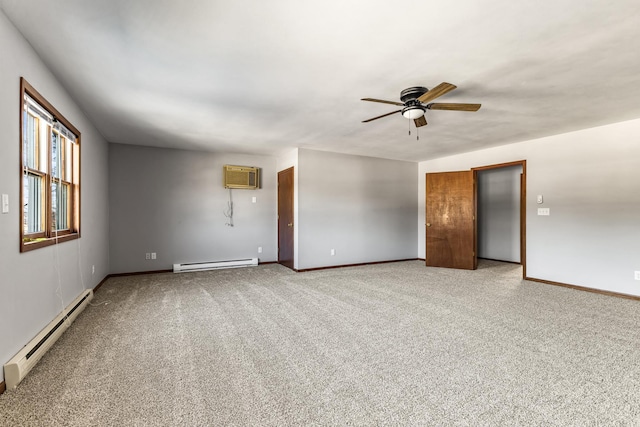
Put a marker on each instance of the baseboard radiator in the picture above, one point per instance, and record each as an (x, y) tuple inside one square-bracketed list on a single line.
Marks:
[(19, 366), (214, 265)]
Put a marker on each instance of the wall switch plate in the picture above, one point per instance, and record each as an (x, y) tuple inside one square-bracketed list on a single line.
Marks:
[(539, 199), (147, 255), (153, 255), (93, 269), (544, 211), (637, 275), (253, 199), (5, 203)]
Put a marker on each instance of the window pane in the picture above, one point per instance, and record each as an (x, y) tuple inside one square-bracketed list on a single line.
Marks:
[(30, 142), (60, 206), (67, 161), (63, 207), (43, 148), (55, 155), (33, 203)]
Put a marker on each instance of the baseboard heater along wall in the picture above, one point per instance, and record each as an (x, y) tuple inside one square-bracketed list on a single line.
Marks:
[(19, 366), (214, 265)]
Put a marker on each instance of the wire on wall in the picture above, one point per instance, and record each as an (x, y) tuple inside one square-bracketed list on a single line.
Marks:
[(229, 211), (56, 257)]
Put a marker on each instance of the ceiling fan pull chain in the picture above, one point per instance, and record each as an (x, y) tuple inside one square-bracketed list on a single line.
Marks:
[(409, 127), (417, 134)]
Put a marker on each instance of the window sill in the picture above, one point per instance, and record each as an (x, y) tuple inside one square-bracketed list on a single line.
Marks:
[(41, 243)]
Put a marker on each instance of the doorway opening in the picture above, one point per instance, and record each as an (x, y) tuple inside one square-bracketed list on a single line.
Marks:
[(501, 212)]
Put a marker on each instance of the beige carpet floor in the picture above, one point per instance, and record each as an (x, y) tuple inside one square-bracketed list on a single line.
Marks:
[(391, 344)]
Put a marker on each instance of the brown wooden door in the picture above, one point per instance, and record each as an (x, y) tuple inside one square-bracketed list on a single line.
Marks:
[(285, 217), (451, 220)]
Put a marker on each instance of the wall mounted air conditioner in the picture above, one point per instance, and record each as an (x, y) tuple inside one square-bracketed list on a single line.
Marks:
[(244, 177)]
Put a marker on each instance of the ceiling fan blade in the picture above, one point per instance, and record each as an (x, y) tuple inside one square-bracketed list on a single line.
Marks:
[(379, 117), (383, 101), (454, 107), (437, 91), (420, 121)]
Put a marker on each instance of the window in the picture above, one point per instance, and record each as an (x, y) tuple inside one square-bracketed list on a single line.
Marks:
[(50, 173)]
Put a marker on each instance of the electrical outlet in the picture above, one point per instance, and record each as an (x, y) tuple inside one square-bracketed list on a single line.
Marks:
[(93, 269), (637, 275), (153, 255), (253, 199), (147, 256), (333, 252), (259, 249)]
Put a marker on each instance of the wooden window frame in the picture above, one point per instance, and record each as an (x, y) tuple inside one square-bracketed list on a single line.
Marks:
[(50, 237)]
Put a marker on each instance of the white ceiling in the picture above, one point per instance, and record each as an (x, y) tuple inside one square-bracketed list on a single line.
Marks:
[(262, 76)]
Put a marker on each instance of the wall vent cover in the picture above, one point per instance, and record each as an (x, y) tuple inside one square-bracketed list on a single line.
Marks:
[(241, 177)]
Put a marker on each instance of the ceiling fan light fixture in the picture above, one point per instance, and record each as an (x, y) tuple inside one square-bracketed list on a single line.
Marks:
[(413, 112)]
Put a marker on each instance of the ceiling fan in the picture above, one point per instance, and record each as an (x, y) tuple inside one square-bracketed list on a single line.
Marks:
[(415, 101)]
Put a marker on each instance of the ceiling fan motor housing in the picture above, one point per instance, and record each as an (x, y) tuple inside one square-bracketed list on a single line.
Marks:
[(412, 93)]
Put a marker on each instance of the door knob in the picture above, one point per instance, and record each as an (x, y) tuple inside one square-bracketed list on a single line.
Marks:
[(428, 224), (290, 224)]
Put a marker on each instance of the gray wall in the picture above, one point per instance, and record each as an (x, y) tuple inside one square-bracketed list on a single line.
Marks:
[(172, 202), (34, 286), (363, 207), (499, 213), (590, 181)]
